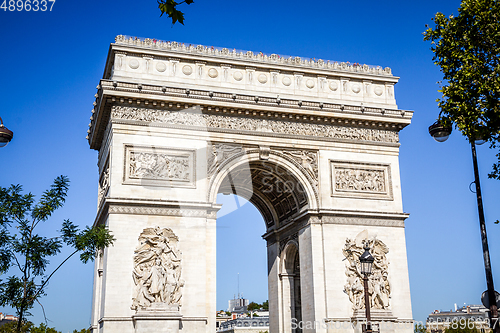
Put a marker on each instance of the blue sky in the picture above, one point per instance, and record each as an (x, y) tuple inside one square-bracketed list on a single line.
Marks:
[(52, 61)]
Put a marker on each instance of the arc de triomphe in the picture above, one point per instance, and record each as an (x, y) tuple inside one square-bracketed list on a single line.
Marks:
[(312, 144)]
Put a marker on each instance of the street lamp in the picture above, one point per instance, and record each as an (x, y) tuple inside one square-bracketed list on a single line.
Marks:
[(5, 134), (366, 260), (440, 133)]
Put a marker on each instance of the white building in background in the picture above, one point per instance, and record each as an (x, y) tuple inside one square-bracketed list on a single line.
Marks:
[(239, 304)]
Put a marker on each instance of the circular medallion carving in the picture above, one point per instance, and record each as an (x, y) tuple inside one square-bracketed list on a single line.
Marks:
[(333, 85), (161, 67), (378, 90), (356, 88), (238, 76), (310, 84), (134, 63), (188, 70), (262, 78), (286, 81), (212, 72)]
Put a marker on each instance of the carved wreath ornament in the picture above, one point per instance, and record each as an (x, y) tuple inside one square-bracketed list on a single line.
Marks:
[(157, 271), (378, 282)]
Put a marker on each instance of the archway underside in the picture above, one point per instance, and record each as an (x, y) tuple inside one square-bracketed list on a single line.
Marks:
[(276, 193)]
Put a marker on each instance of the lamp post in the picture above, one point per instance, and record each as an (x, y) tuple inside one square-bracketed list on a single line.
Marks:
[(5, 134), (366, 260), (441, 133)]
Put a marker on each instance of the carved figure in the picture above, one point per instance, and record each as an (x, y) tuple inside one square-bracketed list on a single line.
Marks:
[(220, 153), (378, 282), (103, 185), (157, 269), (307, 159)]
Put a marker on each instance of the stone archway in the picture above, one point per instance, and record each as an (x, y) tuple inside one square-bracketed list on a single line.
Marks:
[(312, 144), (281, 190)]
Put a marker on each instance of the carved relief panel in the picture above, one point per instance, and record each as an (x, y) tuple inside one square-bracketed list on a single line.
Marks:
[(159, 166), (157, 271), (361, 180)]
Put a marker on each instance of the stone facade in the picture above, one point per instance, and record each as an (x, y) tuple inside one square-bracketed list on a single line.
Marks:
[(312, 144)]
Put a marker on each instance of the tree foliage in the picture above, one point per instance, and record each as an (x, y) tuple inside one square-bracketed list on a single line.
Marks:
[(419, 328), (24, 254), (11, 327), (169, 7), (27, 327), (467, 49), (253, 306), (464, 327), (83, 330)]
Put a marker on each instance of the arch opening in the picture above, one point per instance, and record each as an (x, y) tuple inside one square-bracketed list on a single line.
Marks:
[(273, 189), (282, 193)]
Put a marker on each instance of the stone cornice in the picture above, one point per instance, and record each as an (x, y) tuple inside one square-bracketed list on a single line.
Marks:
[(161, 97), (291, 63), (154, 207)]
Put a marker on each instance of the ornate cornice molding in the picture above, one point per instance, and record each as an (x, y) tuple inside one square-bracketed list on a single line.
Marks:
[(112, 205), (112, 93), (367, 221), (258, 57)]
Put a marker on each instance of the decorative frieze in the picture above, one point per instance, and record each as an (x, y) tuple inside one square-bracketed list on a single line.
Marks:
[(361, 180), (254, 125), (379, 287), (141, 210), (159, 166), (157, 271), (368, 221)]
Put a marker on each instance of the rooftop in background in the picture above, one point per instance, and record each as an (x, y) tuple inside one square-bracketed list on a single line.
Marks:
[(438, 320), (256, 323)]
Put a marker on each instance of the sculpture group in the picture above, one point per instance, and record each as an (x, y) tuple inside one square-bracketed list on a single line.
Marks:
[(378, 282), (157, 270)]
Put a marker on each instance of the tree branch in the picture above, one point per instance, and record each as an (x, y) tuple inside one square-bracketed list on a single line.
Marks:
[(47, 280)]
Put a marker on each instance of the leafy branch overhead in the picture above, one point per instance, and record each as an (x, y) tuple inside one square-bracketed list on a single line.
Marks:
[(169, 7), (467, 49), (24, 254)]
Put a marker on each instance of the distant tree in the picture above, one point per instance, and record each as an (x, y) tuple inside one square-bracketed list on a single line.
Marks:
[(265, 305), (27, 327), (83, 330), (419, 328), (24, 253), (11, 327), (253, 306), (228, 313), (169, 7), (467, 49), (43, 329)]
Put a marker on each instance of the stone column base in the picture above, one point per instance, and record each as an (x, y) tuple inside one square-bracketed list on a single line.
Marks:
[(381, 320), (157, 320)]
